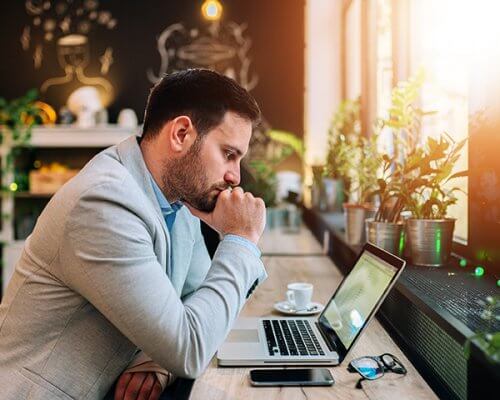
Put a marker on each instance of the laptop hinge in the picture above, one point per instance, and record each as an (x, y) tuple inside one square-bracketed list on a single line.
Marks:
[(325, 337)]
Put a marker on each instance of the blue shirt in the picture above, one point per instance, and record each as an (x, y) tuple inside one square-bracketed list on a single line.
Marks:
[(168, 210)]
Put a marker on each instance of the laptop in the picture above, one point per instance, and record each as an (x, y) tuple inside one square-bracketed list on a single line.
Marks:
[(327, 339)]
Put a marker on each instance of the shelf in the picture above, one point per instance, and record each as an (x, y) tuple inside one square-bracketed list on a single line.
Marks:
[(28, 195), (65, 137), (70, 136)]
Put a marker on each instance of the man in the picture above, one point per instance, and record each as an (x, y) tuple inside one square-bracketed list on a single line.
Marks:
[(116, 268)]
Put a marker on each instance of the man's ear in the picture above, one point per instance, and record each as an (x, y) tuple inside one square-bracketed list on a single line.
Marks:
[(181, 134)]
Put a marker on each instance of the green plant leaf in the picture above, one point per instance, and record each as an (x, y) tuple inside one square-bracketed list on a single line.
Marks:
[(427, 208), (495, 340), (458, 175), (31, 95), (460, 145), (288, 139), (417, 183)]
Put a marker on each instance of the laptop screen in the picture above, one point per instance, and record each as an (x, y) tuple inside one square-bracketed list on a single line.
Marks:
[(359, 295)]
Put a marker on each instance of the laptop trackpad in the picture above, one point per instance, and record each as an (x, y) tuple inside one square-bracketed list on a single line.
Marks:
[(243, 335)]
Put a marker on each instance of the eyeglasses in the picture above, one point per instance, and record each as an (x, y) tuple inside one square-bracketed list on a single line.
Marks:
[(374, 367)]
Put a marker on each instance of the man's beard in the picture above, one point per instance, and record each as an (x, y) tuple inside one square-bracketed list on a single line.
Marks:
[(185, 179)]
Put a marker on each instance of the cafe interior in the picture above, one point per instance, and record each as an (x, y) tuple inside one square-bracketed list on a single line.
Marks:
[(380, 126)]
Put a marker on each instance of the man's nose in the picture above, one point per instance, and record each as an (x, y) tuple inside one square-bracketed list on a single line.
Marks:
[(232, 177)]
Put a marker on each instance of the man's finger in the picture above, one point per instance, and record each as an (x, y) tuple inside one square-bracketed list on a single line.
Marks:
[(121, 385), (156, 392), (147, 386), (134, 386), (238, 190)]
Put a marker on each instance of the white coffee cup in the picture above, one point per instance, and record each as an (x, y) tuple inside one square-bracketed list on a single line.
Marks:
[(299, 295)]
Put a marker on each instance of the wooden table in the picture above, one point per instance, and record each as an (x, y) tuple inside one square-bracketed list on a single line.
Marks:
[(277, 242), (233, 383)]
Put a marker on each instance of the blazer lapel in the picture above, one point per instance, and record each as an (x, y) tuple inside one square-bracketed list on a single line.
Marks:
[(182, 249), (131, 157), (182, 239)]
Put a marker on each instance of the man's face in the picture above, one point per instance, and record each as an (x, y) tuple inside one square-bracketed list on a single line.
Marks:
[(211, 165)]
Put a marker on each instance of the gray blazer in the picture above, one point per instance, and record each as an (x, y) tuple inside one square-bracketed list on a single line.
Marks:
[(90, 287)]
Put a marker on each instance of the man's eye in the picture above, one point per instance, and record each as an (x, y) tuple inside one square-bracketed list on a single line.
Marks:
[(229, 155)]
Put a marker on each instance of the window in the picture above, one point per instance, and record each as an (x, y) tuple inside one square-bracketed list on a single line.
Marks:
[(352, 46), (384, 63), (437, 44)]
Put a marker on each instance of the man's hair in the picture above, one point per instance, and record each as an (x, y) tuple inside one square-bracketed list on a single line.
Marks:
[(203, 95)]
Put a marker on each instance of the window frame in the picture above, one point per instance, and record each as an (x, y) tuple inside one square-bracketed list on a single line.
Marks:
[(401, 42)]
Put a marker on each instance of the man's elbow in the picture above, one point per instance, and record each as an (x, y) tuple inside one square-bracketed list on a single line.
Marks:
[(192, 371), (193, 365), (193, 374)]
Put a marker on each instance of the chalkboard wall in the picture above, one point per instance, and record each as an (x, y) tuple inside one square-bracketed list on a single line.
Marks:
[(122, 48)]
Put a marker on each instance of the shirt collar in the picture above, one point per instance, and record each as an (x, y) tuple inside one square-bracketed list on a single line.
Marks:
[(165, 206)]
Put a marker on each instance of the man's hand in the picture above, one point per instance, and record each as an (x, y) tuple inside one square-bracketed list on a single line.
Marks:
[(137, 386), (237, 213)]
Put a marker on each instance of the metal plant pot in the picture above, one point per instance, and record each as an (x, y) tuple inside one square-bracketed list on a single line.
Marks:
[(388, 236), (430, 240), (318, 197), (293, 219), (270, 218), (334, 193), (275, 217), (405, 215), (355, 216)]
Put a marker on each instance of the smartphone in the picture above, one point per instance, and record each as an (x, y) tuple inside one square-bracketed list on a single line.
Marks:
[(291, 377)]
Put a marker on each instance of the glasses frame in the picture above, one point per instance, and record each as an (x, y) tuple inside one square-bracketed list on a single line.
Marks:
[(394, 365)]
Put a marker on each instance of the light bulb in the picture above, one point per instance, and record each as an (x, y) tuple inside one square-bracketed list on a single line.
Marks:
[(211, 10)]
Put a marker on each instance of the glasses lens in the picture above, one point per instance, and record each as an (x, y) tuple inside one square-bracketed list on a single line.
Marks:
[(388, 360), (393, 364), (368, 367)]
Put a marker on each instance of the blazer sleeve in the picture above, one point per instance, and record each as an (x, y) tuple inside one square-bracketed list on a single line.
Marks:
[(199, 265), (108, 258)]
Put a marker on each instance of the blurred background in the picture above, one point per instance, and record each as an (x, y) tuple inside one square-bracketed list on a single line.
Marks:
[(380, 117), (326, 74)]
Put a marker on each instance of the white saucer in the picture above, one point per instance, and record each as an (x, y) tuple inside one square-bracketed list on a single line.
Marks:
[(285, 308)]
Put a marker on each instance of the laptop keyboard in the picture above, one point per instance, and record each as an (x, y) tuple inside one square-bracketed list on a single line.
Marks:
[(288, 337)]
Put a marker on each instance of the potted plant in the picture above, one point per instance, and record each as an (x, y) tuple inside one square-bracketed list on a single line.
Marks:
[(361, 168), (405, 117), (345, 129), (386, 229), (264, 183), (422, 189), (291, 143), (352, 163), (17, 118), (318, 193)]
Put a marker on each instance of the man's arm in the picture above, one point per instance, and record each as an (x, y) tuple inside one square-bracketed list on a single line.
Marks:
[(200, 263), (199, 266), (109, 259)]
